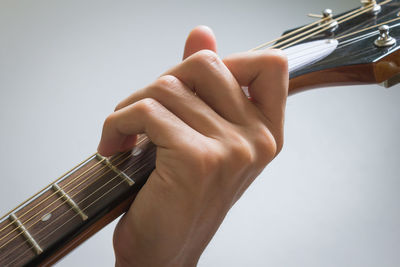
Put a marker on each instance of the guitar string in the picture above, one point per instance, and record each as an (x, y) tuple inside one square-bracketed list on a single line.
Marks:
[(97, 199), (326, 28), (63, 201), (87, 179), (344, 36), (366, 29), (288, 34), (54, 193), (303, 28), (359, 38), (59, 178), (368, 23), (100, 161), (362, 24), (49, 206), (65, 186), (341, 37), (69, 209), (97, 189), (94, 154), (358, 11), (57, 190), (339, 22), (259, 47)]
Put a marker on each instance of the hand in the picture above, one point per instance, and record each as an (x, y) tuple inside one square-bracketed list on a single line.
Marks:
[(212, 141)]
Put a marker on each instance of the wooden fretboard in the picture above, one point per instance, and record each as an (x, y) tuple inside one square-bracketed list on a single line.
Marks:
[(73, 205)]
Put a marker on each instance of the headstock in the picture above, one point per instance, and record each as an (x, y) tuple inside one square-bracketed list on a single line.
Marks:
[(363, 55)]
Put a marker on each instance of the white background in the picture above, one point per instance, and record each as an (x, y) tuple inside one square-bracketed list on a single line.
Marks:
[(331, 197)]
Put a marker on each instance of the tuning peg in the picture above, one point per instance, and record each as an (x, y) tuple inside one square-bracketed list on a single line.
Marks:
[(327, 19), (391, 81), (327, 13), (384, 39), (376, 7)]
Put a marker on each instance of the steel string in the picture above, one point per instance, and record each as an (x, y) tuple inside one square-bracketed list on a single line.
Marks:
[(116, 176)]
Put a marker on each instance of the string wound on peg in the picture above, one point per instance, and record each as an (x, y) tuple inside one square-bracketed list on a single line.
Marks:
[(326, 19), (375, 7)]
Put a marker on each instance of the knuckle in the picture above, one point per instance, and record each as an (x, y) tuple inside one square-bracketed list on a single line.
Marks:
[(206, 160), (275, 60), (147, 106), (167, 83), (266, 146), (209, 160), (279, 60), (109, 120), (205, 58), (241, 151)]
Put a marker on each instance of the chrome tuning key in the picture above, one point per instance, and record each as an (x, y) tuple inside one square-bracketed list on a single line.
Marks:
[(384, 39), (376, 8), (327, 19)]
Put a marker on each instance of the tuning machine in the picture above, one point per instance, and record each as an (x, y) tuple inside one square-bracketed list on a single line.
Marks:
[(326, 19), (391, 81), (384, 39), (376, 8)]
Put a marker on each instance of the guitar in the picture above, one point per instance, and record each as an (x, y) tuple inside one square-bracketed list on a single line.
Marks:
[(82, 201)]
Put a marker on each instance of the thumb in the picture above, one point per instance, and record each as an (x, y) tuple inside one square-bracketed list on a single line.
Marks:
[(201, 37)]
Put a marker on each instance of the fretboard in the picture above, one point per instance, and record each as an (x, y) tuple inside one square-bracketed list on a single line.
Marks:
[(73, 204)]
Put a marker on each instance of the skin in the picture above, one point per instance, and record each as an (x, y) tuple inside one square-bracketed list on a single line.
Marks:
[(212, 142)]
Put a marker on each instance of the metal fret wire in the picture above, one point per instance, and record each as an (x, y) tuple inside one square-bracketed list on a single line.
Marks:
[(62, 176), (116, 176), (54, 193), (76, 168), (363, 10), (60, 198)]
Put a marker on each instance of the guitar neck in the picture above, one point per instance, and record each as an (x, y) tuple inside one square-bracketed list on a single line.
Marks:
[(74, 207), (80, 203), (65, 213)]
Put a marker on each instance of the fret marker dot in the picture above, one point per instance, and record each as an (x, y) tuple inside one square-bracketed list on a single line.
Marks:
[(46, 217), (136, 151)]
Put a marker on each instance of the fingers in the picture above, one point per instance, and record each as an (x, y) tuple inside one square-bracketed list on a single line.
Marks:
[(145, 116), (206, 74), (181, 101), (266, 74), (200, 38)]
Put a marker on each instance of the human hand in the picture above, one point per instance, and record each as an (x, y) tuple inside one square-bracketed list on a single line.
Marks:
[(212, 141)]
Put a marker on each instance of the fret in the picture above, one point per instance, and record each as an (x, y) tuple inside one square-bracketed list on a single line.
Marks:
[(41, 217), (35, 246), (69, 201), (63, 209), (122, 174), (97, 188), (13, 244)]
